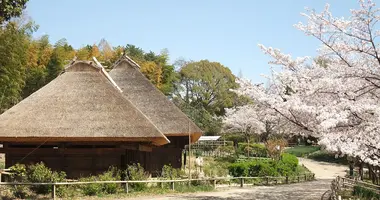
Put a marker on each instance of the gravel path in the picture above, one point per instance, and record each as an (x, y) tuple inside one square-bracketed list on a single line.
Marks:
[(313, 190)]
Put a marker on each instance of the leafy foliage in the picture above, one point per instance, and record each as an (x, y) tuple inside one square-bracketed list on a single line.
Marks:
[(39, 173), (255, 149), (11, 8), (287, 165), (136, 172)]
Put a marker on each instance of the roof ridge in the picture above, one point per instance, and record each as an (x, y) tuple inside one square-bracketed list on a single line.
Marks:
[(114, 83)]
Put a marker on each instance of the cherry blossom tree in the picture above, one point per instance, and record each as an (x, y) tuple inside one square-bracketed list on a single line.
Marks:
[(334, 96)]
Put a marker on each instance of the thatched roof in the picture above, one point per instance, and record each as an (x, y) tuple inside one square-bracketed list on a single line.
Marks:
[(79, 105), (152, 102)]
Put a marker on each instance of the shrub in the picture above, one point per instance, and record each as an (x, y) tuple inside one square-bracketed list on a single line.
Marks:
[(226, 150), (288, 165), (255, 149), (217, 167), (18, 174), (168, 172), (238, 169), (113, 174), (136, 172), (39, 173), (275, 147), (90, 189)]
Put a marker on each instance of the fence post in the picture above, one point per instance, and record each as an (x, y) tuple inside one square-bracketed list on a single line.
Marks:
[(267, 180), (305, 177), (162, 185), (214, 183), (126, 187), (172, 185), (287, 180), (53, 191), (298, 177), (241, 182)]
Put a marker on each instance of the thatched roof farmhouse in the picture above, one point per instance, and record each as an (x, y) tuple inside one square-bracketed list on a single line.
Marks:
[(83, 123)]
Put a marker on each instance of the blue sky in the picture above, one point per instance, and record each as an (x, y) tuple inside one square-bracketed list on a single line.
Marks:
[(218, 30)]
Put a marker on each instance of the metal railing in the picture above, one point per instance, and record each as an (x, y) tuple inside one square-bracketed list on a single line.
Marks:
[(266, 180)]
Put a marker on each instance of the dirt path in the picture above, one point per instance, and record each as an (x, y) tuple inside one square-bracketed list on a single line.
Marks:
[(324, 170), (324, 173), (300, 191)]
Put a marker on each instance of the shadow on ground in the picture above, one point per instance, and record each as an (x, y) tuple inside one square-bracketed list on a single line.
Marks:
[(305, 191)]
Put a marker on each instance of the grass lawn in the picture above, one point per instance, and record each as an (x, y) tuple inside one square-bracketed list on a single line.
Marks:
[(302, 151), (315, 153)]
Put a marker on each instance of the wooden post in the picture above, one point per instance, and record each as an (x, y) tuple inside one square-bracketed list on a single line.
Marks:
[(298, 177), (287, 180), (214, 183), (305, 177), (267, 180), (241, 182), (162, 185), (172, 185), (189, 154), (126, 187), (53, 192)]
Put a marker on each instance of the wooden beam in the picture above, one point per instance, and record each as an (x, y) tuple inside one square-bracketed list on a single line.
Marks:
[(145, 148)]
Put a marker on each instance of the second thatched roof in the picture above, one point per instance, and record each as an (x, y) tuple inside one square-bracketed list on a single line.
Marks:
[(79, 105), (152, 102)]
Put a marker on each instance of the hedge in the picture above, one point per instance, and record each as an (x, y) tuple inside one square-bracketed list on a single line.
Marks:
[(287, 165)]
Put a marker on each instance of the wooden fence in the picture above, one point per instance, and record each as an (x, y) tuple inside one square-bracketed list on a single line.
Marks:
[(267, 180), (350, 183)]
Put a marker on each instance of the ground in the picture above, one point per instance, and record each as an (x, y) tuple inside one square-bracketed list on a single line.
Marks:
[(324, 173)]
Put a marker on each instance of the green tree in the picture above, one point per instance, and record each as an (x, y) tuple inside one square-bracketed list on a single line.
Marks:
[(11, 8), (39, 53), (13, 54), (62, 54), (207, 84)]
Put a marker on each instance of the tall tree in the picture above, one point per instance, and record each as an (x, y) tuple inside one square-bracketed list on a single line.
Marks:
[(62, 54), (11, 8), (39, 53), (13, 53), (208, 84)]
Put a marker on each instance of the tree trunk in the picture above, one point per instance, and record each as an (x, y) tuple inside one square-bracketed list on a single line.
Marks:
[(361, 171), (351, 170), (248, 147)]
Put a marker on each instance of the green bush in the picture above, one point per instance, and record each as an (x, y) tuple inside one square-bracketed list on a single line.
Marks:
[(136, 172), (39, 173), (324, 156), (255, 149), (287, 165), (113, 174), (18, 174), (168, 172), (91, 189)]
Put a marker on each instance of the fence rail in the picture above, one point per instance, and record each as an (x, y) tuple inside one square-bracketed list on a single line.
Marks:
[(241, 181), (350, 183)]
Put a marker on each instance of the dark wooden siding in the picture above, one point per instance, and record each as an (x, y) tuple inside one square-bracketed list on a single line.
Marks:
[(84, 159)]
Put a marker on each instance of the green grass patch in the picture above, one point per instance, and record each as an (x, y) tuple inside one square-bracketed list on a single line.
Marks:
[(365, 193), (302, 151), (325, 156)]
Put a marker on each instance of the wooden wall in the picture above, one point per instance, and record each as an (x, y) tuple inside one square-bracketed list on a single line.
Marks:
[(84, 159)]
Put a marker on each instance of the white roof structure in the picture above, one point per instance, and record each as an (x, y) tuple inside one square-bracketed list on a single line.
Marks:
[(209, 138)]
